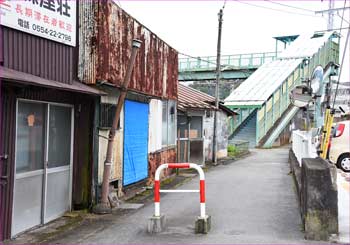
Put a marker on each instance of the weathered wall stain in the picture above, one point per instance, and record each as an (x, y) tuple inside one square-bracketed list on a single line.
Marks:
[(158, 158), (107, 48)]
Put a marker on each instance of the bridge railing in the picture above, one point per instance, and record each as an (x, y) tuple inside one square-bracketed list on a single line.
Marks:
[(279, 102), (247, 61)]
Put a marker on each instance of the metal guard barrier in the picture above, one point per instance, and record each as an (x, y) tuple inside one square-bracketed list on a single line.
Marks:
[(157, 189)]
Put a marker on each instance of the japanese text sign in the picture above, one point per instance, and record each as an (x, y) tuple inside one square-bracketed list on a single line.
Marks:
[(50, 19)]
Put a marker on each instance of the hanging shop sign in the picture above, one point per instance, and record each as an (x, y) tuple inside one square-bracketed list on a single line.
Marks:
[(50, 19)]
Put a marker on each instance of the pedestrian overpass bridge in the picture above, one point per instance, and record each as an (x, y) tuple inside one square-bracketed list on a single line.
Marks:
[(237, 66), (262, 100)]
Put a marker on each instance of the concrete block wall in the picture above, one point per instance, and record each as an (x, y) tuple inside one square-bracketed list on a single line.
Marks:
[(318, 197)]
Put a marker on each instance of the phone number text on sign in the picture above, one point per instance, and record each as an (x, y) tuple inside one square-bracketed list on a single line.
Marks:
[(51, 32)]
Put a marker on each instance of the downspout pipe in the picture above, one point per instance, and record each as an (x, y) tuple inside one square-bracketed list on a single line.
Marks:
[(104, 206)]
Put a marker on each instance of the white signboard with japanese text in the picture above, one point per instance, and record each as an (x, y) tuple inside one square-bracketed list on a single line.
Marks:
[(50, 19)]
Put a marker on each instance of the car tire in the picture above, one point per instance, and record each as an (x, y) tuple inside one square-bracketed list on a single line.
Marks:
[(344, 162)]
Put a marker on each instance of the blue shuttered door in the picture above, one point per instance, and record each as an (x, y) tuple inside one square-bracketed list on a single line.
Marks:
[(135, 142)]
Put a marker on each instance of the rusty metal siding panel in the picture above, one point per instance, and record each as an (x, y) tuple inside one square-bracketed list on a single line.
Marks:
[(87, 41), (35, 55), (158, 158), (155, 72)]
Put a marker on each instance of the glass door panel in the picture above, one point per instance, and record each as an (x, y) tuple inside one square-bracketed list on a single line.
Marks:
[(30, 153), (59, 160)]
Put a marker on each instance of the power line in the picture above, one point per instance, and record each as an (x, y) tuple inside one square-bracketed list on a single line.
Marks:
[(224, 4), (343, 58), (331, 10), (289, 6), (342, 18), (334, 29), (198, 58), (341, 67), (279, 10), (245, 71)]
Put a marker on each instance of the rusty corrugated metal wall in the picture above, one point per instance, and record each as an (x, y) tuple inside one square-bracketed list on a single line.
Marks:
[(158, 158), (38, 56), (87, 40), (107, 48)]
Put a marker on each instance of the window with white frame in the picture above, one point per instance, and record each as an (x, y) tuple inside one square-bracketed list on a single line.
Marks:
[(168, 122)]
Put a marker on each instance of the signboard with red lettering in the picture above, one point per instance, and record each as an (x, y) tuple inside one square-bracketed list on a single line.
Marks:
[(50, 19)]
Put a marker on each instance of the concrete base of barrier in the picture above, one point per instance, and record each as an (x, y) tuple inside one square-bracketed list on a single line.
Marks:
[(156, 224), (203, 225)]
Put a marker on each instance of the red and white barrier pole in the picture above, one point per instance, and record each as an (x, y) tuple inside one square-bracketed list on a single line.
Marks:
[(157, 189)]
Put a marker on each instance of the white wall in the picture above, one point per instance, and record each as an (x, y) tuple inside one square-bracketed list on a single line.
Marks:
[(208, 125), (222, 138), (223, 131), (155, 126)]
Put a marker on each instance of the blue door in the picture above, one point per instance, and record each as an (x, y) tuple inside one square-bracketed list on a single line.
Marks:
[(135, 142)]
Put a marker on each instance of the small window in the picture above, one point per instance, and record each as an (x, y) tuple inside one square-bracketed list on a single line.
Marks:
[(208, 113), (168, 123), (196, 127), (171, 122), (182, 126), (107, 112)]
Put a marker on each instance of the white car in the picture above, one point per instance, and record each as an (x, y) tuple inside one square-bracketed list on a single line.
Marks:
[(339, 152)]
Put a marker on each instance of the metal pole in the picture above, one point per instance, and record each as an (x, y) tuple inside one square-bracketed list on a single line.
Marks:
[(218, 74), (104, 207), (330, 24)]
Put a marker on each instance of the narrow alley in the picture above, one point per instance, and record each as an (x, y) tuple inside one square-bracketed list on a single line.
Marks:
[(251, 201), (109, 111)]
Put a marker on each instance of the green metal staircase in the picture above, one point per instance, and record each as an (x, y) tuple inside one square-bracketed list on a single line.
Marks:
[(267, 89)]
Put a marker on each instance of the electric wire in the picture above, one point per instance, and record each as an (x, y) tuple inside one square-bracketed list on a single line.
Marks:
[(120, 4), (334, 29), (289, 6), (343, 58), (224, 4), (343, 18), (244, 71), (279, 10)]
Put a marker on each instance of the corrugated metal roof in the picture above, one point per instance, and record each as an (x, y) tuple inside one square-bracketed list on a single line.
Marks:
[(270, 76), (306, 45), (190, 98), (262, 83)]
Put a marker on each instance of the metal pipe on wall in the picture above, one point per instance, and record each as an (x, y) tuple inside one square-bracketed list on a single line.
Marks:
[(103, 206)]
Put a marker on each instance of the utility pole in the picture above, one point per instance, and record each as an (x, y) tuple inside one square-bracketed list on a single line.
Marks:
[(218, 75), (103, 206), (330, 24), (330, 12)]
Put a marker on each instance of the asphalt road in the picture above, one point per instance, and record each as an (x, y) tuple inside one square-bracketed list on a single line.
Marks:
[(251, 201)]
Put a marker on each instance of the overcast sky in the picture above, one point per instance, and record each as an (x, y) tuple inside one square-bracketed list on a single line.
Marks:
[(191, 26)]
